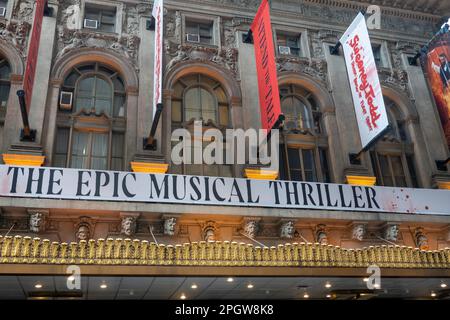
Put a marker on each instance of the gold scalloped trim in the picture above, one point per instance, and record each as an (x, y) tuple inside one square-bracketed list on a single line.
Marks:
[(25, 250)]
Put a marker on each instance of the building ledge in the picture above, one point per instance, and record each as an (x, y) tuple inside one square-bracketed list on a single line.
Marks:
[(23, 159), (25, 250)]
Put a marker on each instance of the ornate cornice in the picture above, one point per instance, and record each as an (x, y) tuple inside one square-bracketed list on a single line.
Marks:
[(24, 250)]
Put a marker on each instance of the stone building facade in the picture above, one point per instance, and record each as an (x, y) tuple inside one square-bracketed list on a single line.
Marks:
[(107, 72)]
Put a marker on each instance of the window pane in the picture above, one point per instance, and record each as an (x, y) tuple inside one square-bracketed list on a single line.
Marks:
[(208, 105), (309, 165), (385, 171), (397, 167), (119, 105), (103, 88), (61, 147), (71, 79), (294, 158), (176, 111), (324, 165), (80, 150), (4, 94), (283, 163), (99, 151), (223, 115), (192, 104), (5, 71), (296, 175)]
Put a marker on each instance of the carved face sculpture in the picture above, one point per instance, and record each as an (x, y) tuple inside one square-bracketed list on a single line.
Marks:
[(391, 233), (322, 237), (210, 235), (287, 230), (35, 221), (358, 232), (128, 225), (169, 226), (251, 228), (422, 241), (83, 232)]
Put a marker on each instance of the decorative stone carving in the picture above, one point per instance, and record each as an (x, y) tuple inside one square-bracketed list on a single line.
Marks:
[(126, 45), (37, 220), (315, 68), (358, 232), (83, 232), (321, 234), (421, 239), (128, 225), (391, 232), (84, 228), (287, 229), (16, 33), (169, 226), (209, 231), (23, 11), (71, 16), (251, 228), (226, 58)]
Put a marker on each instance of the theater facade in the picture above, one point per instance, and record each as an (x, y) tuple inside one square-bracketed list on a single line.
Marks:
[(87, 194)]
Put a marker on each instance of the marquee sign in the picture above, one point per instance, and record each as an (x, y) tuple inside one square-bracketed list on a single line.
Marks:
[(364, 82), (80, 184)]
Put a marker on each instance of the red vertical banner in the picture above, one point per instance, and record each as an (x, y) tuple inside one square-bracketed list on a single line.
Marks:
[(33, 49), (269, 96)]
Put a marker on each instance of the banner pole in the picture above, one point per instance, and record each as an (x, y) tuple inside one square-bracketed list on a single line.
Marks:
[(150, 141)]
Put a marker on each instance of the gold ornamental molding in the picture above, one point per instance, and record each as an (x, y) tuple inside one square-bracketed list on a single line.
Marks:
[(25, 250), (23, 160), (148, 167)]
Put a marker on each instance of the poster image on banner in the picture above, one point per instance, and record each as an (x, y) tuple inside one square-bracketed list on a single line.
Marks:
[(158, 12), (365, 85), (269, 96), (436, 65)]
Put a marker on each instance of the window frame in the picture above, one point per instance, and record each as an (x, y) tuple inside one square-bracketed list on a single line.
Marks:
[(102, 7), (83, 120), (7, 83), (201, 19)]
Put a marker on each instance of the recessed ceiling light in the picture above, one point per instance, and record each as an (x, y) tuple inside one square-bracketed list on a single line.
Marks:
[(443, 285), (250, 286), (328, 285), (306, 296), (103, 286), (433, 294), (328, 296), (230, 279), (183, 296), (38, 286), (194, 286)]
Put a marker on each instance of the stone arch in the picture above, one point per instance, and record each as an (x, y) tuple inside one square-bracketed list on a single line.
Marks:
[(211, 70), (318, 90), (13, 56), (75, 57), (404, 104)]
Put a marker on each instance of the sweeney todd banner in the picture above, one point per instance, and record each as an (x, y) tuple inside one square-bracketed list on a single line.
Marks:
[(436, 65), (269, 96), (59, 183), (364, 82)]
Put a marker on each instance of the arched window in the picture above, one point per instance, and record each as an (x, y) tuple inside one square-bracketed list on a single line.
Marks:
[(199, 97), (300, 109), (393, 157), (91, 123), (304, 147), (5, 74)]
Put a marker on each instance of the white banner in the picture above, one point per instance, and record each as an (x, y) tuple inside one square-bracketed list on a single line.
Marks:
[(158, 13), (59, 183), (364, 82)]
